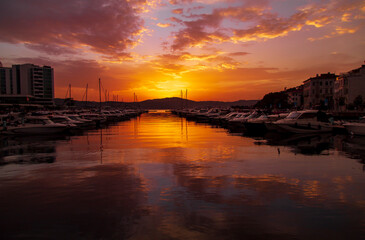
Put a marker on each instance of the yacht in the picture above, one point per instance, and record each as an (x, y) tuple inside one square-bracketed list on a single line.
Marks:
[(236, 123), (65, 120), (99, 119), (307, 121), (85, 122), (269, 124), (36, 125)]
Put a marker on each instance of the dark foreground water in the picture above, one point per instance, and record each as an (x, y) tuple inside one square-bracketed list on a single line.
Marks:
[(160, 177)]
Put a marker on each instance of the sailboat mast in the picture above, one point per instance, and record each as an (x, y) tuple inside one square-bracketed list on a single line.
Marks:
[(87, 85), (186, 97), (99, 96), (70, 89)]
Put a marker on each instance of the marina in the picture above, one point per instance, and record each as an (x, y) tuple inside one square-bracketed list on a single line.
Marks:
[(160, 176), (182, 120)]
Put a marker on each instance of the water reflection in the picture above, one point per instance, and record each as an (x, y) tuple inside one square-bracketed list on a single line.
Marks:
[(308, 144), (29, 149), (162, 177)]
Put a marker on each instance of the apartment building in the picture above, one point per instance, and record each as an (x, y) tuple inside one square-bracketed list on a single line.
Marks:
[(295, 96), (319, 90), (348, 87), (26, 83)]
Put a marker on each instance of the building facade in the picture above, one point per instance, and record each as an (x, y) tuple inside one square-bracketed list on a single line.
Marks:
[(295, 96), (318, 91), (27, 81), (6, 81), (348, 87)]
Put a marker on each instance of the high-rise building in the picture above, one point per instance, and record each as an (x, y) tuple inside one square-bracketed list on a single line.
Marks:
[(6, 82), (27, 82)]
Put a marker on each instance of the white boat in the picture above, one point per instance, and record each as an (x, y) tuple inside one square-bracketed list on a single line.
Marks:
[(270, 126), (96, 117), (357, 128), (66, 120), (36, 125), (307, 121), (239, 118), (85, 122)]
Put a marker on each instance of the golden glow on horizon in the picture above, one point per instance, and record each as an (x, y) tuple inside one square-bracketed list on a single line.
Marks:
[(220, 50)]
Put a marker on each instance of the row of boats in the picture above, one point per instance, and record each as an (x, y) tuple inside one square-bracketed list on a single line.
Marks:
[(54, 122), (306, 121)]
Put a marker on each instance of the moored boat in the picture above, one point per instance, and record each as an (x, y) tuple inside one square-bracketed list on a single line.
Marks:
[(37, 125), (307, 121)]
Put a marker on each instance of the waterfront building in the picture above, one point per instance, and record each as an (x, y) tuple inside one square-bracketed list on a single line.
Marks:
[(295, 96), (6, 83), (318, 91), (27, 83), (348, 87)]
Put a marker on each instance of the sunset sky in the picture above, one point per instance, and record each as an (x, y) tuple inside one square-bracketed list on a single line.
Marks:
[(218, 50)]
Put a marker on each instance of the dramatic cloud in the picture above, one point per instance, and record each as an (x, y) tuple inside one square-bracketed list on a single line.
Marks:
[(218, 49), (178, 64), (107, 27), (259, 22)]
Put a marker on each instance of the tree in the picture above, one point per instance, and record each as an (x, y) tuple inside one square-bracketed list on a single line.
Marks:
[(274, 100), (358, 101)]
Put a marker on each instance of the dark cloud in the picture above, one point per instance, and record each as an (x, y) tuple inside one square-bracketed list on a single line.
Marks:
[(175, 2), (108, 27), (237, 54), (195, 32)]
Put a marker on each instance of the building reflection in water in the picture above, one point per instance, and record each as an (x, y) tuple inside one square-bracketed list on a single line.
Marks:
[(29, 149), (161, 177)]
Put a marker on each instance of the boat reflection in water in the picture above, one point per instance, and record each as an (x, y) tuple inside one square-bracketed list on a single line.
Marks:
[(161, 177), (309, 144)]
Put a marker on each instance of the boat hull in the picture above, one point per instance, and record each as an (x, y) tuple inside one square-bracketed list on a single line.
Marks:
[(41, 130), (297, 128)]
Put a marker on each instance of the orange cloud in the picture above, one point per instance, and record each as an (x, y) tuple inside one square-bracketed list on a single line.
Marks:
[(262, 23), (338, 31), (178, 11), (163, 25)]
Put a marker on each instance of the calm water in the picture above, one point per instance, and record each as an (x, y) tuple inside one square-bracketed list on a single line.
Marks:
[(160, 177)]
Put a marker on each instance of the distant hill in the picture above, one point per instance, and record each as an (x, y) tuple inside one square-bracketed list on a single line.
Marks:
[(165, 103)]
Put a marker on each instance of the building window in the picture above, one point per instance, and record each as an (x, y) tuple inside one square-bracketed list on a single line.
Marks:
[(326, 83), (320, 83)]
